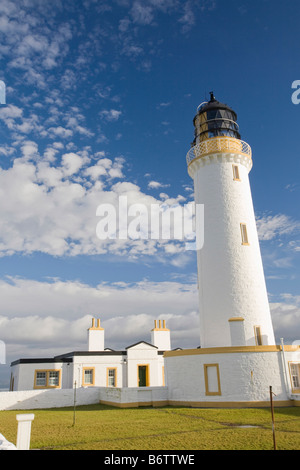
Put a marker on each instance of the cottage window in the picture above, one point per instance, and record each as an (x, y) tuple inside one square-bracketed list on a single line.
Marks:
[(49, 378), (111, 377), (295, 377), (53, 378), (41, 379), (88, 376)]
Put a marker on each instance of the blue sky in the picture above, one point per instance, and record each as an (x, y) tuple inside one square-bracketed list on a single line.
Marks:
[(100, 99)]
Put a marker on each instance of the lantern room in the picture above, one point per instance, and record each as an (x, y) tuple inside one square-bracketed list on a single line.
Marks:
[(214, 119)]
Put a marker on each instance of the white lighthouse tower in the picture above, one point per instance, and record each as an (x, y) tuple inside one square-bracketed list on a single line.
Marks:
[(233, 301), (238, 360)]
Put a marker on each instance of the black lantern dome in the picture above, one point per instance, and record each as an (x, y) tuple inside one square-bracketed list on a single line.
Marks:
[(215, 119)]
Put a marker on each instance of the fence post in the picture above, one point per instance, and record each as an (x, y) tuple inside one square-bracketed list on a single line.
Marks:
[(24, 431), (273, 419)]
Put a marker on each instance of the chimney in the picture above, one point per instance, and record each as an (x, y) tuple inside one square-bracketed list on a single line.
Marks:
[(160, 336), (95, 336)]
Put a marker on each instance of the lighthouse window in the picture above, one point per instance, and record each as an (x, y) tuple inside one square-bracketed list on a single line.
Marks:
[(236, 173), (258, 337), (212, 379), (245, 240), (295, 376)]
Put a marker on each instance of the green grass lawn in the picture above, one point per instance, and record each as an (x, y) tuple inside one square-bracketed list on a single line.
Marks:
[(99, 427)]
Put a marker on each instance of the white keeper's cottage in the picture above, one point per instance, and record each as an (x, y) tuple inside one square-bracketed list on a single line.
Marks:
[(138, 365)]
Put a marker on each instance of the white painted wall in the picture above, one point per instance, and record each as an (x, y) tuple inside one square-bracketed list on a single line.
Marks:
[(35, 399), (24, 374), (161, 339), (160, 336), (95, 336), (42, 399), (134, 395), (244, 377), (230, 275), (144, 354), (101, 364)]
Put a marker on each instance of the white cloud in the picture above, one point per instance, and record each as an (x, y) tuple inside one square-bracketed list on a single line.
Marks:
[(72, 162), (29, 150), (110, 115), (6, 150), (141, 14), (84, 131), (10, 112), (60, 132), (30, 41), (273, 226), (156, 185), (188, 17), (164, 105), (132, 50), (59, 307), (13, 117), (286, 318), (127, 312), (52, 207), (95, 171), (124, 24)]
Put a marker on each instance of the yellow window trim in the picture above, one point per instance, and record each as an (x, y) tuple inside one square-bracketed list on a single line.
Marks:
[(257, 335), (207, 392), (107, 376), (47, 371), (83, 375), (236, 173), (244, 233)]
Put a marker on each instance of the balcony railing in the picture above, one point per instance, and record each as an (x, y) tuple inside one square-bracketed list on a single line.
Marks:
[(218, 145)]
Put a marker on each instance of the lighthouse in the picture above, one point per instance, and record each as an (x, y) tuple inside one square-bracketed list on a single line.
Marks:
[(238, 360), (233, 301)]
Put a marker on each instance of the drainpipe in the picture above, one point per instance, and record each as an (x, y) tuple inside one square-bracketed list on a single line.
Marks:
[(288, 391)]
